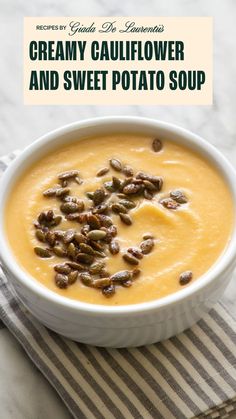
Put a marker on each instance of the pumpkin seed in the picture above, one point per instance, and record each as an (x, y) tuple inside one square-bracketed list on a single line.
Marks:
[(85, 229), (121, 276), (104, 273), (40, 235), (42, 253), (57, 220), (135, 252), (146, 246), (61, 192), (169, 203), (119, 208), (126, 219), (116, 164), (128, 171), (106, 221), (131, 189), (178, 196), (109, 186), (127, 204), (80, 238), (114, 247), (102, 171), (75, 217), (68, 175), (69, 236), (72, 277), (97, 246), (85, 258), (71, 250), (78, 180), (59, 251), (62, 268), (98, 196), (75, 265), (116, 182), (101, 282), (112, 230), (61, 280), (93, 221), (147, 194), (50, 238), (85, 248), (96, 267), (49, 215), (108, 291), (157, 145), (69, 207), (185, 277), (50, 192), (149, 186), (90, 195), (85, 278), (130, 259), (100, 209), (96, 235)]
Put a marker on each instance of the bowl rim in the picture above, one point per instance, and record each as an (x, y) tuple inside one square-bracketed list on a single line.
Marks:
[(227, 258)]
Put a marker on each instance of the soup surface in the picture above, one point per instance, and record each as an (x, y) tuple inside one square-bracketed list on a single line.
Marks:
[(190, 237)]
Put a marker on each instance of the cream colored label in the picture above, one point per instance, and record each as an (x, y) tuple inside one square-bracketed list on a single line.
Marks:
[(118, 60)]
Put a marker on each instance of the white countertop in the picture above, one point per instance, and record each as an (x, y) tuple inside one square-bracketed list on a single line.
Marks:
[(24, 392)]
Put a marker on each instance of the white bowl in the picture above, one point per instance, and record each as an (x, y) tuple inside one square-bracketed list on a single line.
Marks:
[(120, 326)]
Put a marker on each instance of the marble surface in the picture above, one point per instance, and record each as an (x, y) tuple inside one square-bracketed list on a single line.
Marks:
[(24, 392)]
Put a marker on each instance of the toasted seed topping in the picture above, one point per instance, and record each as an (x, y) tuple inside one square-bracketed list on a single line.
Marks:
[(100, 209), (62, 268), (98, 196), (130, 259), (112, 230), (69, 236), (109, 186), (157, 145), (40, 235), (62, 192), (116, 164), (109, 291), (106, 221), (127, 203), (50, 238), (147, 194), (146, 246), (116, 183), (121, 276), (61, 280), (126, 219), (96, 235), (71, 250), (85, 248), (114, 247), (101, 282), (69, 207), (75, 265), (131, 189), (96, 267), (102, 171), (93, 221), (119, 208), (149, 186), (185, 277), (128, 171), (68, 175), (135, 252), (85, 278), (80, 238), (85, 258), (50, 192), (72, 277), (178, 196), (42, 253), (59, 251), (169, 203)]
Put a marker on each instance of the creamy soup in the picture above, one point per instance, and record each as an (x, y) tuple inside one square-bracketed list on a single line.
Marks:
[(185, 221)]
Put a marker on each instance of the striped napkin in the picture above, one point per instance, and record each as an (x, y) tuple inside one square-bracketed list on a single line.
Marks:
[(190, 375)]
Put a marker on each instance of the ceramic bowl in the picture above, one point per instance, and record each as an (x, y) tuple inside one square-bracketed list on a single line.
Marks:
[(120, 326)]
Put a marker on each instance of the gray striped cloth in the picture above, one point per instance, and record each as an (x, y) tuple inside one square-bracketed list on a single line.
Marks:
[(190, 375)]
